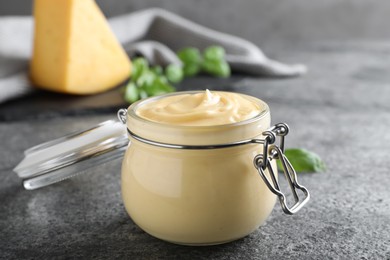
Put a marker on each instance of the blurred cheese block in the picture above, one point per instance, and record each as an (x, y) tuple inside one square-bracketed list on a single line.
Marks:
[(75, 50)]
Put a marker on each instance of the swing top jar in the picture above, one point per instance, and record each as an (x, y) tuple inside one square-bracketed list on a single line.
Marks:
[(188, 175)]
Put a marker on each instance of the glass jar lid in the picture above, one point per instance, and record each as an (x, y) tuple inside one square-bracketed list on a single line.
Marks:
[(67, 156)]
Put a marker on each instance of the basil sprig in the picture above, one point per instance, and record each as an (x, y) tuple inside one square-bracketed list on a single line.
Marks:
[(149, 81), (211, 61), (303, 160)]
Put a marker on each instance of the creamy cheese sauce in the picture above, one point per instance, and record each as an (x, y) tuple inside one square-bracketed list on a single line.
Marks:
[(200, 109)]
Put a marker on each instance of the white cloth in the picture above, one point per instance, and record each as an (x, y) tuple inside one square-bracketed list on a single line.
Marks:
[(154, 33)]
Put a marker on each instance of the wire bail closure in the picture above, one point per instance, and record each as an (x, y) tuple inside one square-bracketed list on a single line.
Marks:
[(262, 162), (274, 152), (121, 114)]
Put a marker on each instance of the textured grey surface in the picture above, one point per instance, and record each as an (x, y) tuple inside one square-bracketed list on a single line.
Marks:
[(340, 110)]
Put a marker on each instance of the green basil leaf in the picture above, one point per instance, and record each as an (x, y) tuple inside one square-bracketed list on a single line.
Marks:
[(216, 53), (216, 68), (189, 55), (190, 70), (162, 79), (139, 66), (143, 94), (131, 93), (303, 160), (158, 70), (160, 86), (163, 85), (174, 73), (146, 78)]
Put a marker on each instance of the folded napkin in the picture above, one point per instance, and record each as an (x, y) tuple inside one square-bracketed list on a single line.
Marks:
[(153, 33)]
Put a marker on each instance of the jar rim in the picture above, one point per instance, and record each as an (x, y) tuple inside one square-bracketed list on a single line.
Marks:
[(197, 135), (131, 112)]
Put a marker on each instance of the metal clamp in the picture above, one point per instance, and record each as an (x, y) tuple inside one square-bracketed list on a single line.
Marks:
[(274, 152), (122, 115)]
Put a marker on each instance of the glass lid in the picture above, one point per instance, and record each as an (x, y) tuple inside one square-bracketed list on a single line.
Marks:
[(70, 155)]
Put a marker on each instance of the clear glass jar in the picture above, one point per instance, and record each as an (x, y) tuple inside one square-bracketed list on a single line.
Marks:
[(196, 196), (194, 185)]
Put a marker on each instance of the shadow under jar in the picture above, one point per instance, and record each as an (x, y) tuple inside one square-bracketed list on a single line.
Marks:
[(198, 185)]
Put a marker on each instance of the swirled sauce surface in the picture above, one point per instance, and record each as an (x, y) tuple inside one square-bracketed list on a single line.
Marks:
[(200, 109)]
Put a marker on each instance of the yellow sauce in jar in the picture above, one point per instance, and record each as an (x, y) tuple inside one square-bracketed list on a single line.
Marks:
[(200, 109), (196, 196)]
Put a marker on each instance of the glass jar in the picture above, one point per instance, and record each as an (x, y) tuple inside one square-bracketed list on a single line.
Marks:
[(197, 185), (193, 185)]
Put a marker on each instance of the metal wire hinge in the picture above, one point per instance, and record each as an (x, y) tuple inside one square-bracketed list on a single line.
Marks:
[(122, 115), (262, 162)]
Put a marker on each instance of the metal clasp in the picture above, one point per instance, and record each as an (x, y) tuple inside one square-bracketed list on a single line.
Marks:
[(274, 152), (121, 114)]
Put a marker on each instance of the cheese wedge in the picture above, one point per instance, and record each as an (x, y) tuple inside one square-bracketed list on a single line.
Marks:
[(75, 50)]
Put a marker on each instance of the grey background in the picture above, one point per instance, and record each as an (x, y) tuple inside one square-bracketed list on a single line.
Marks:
[(265, 22)]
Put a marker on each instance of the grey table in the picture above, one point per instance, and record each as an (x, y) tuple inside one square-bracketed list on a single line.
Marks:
[(341, 110)]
